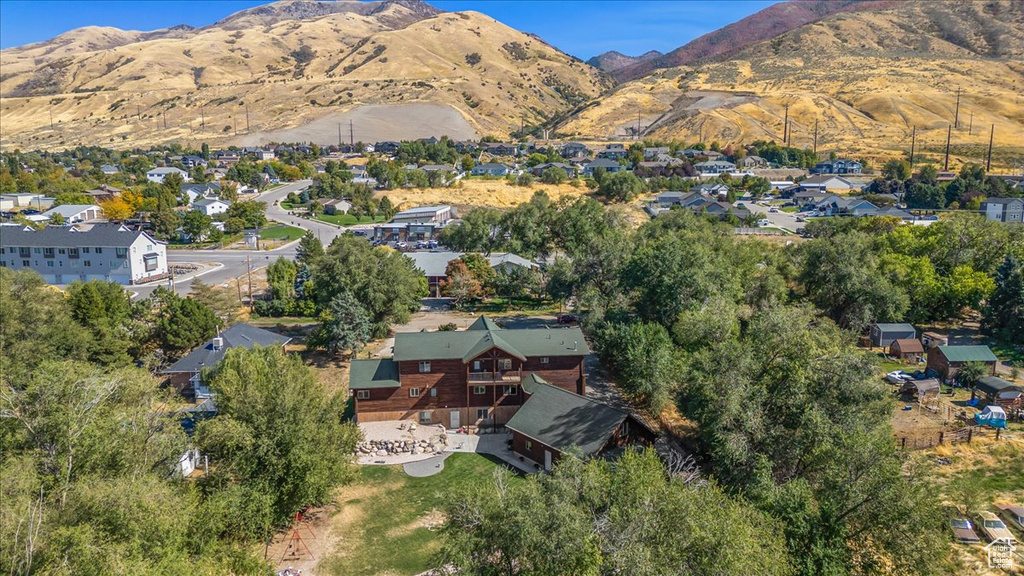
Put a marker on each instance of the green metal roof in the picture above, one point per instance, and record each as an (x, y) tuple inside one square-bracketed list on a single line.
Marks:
[(483, 323), (375, 373), (467, 344), (968, 354), (562, 419)]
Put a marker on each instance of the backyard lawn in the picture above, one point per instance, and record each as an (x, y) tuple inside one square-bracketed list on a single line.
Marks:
[(348, 219), (388, 522), (286, 233)]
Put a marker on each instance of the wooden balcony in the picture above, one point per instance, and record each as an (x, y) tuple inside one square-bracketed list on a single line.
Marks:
[(510, 376)]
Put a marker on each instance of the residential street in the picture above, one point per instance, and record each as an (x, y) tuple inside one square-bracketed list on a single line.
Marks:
[(779, 219)]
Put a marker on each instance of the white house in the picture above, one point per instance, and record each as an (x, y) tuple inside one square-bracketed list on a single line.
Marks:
[(110, 252), (211, 206), (157, 175), (74, 213)]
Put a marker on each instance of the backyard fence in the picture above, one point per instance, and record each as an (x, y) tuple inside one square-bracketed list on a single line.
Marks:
[(955, 436)]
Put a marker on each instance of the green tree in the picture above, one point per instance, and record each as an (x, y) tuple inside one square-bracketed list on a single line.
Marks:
[(898, 170), (183, 324), (554, 175), (386, 208), (105, 309), (643, 356), (478, 232), (196, 225), (460, 284), (1004, 314), (345, 325), (252, 212), (621, 186), (281, 278), (969, 375), (598, 518), (309, 250), (276, 422)]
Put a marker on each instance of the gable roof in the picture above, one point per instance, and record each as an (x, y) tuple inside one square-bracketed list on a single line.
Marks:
[(900, 327), (464, 345), (374, 373), (561, 419), (968, 353), (239, 335), (102, 235), (210, 201), (909, 345), (69, 210), (483, 323)]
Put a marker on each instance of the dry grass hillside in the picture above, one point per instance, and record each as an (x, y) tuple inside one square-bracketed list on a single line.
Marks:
[(866, 77), (126, 88)]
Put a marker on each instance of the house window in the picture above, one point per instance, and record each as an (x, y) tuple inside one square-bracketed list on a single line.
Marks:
[(85, 250), (505, 363), (47, 252), (25, 263), (88, 262), (49, 263), (414, 392), (72, 252), (61, 251), (481, 414), (24, 252), (150, 261), (433, 392), (425, 417), (120, 252), (529, 445), (362, 394), (424, 367), (511, 390), (476, 364), (99, 250), (35, 250), (543, 359), (479, 390)]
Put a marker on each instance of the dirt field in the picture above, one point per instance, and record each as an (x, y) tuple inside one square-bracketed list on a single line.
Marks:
[(375, 123)]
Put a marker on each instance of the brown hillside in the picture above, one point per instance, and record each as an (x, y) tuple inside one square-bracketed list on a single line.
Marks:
[(769, 23), (611, 61), (867, 78), (286, 75)]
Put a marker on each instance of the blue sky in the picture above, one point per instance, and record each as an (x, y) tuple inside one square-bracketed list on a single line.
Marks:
[(581, 28)]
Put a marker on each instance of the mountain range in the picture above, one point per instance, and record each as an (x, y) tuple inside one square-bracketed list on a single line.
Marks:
[(860, 74)]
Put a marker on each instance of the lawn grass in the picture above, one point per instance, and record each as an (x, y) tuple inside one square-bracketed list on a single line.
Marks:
[(286, 233), (348, 219), (498, 305), (380, 519)]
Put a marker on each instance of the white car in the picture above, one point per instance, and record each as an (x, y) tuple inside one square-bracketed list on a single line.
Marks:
[(764, 222), (773, 209), (995, 529), (895, 377)]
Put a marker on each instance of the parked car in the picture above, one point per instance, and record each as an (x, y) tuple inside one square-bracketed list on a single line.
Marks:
[(567, 319), (773, 209), (432, 244), (1015, 514), (995, 529), (963, 531), (359, 232), (800, 219), (895, 378), (764, 222)]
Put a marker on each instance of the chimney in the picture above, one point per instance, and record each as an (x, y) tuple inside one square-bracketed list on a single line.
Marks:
[(218, 343), (575, 345)]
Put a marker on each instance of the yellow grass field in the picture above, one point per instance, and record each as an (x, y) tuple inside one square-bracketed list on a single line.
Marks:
[(470, 193)]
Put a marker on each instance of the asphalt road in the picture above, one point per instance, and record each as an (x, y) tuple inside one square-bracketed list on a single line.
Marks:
[(225, 265), (778, 219)]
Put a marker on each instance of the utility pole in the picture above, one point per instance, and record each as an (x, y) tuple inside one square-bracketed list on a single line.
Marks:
[(785, 127), (988, 160), (138, 112), (248, 266), (970, 125), (202, 114), (949, 132), (815, 139), (246, 118), (234, 121), (638, 125), (956, 116), (913, 142), (165, 119), (351, 136), (51, 119), (339, 134)]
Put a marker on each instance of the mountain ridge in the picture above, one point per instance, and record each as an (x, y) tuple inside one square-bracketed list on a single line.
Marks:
[(613, 60)]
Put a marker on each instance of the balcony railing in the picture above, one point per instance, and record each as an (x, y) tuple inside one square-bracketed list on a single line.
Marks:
[(502, 376)]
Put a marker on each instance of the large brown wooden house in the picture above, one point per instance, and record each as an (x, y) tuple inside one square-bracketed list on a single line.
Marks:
[(471, 377)]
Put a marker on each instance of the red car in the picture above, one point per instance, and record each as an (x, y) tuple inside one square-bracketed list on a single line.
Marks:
[(567, 319)]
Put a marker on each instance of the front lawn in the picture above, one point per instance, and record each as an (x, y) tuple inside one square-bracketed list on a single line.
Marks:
[(348, 219), (388, 522), (286, 233)]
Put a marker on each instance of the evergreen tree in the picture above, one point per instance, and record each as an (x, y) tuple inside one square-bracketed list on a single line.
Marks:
[(345, 325), (1004, 315)]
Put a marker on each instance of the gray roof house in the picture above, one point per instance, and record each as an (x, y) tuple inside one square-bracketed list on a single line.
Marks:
[(188, 370), (715, 167), (607, 164), (490, 169), (74, 213), (1004, 209), (882, 334)]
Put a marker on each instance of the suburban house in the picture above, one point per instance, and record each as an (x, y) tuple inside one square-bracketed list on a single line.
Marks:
[(191, 161), (715, 167), (103, 192), (752, 162), (995, 390), (109, 252), (109, 169), (838, 166), (1004, 209), (470, 377), (490, 169), (553, 420), (575, 150), (194, 192), (807, 198), (947, 360), (613, 152), (823, 183), (211, 206), (74, 213), (334, 206), (501, 149), (882, 335), (846, 206), (569, 169), (907, 349), (185, 375), (655, 151), (435, 264), (712, 190), (157, 175), (607, 164)]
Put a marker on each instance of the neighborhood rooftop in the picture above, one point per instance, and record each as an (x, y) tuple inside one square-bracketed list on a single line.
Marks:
[(239, 335), (465, 345), (55, 236), (968, 354)]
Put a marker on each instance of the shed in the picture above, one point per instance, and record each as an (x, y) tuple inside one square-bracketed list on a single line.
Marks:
[(882, 335), (906, 349), (995, 390), (933, 339), (947, 360), (927, 389)]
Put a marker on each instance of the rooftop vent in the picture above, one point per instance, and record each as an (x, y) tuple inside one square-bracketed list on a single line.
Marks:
[(218, 343)]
